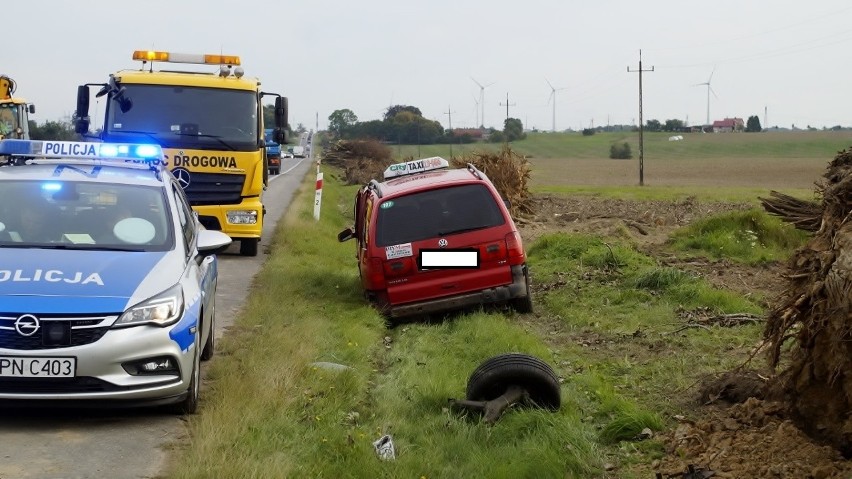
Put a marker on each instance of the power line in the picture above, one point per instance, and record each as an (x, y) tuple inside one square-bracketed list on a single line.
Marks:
[(641, 129)]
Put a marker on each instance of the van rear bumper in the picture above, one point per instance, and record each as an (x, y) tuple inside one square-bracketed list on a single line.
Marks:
[(516, 289)]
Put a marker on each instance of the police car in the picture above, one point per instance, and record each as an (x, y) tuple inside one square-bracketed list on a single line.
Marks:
[(431, 239), (107, 280)]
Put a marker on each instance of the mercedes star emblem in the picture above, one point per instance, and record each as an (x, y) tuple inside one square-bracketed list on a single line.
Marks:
[(182, 176)]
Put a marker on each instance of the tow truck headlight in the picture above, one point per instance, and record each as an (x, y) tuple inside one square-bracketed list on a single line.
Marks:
[(242, 217), (163, 309)]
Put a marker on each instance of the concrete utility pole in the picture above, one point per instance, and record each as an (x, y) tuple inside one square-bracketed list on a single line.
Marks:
[(317, 119), (641, 126), (507, 105), (449, 113)]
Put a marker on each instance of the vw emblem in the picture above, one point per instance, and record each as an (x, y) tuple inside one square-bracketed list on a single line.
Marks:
[(182, 176), (26, 325), (442, 243)]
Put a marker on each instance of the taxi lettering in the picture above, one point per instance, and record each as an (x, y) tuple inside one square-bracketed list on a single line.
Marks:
[(205, 161), (50, 276), (68, 148)]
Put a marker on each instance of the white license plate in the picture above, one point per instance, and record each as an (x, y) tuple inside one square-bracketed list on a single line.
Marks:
[(19, 367)]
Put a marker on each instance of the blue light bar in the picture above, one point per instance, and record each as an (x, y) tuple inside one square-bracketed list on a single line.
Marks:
[(124, 152)]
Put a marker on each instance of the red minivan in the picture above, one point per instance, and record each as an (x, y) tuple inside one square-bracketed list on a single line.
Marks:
[(431, 239)]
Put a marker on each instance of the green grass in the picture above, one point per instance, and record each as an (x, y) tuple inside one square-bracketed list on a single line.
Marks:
[(750, 237), (821, 144)]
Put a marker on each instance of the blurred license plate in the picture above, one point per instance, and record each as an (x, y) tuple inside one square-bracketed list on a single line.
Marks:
[(440, 258), (21, 367)]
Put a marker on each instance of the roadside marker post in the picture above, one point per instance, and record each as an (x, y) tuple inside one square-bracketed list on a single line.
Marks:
[(318, 196)]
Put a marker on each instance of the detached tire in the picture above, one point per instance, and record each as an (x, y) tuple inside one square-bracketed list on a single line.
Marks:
[(248, 247), (493, 377)]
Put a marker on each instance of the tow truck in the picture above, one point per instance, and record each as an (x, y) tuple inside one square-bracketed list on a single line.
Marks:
[(210, 126), (14, 120)]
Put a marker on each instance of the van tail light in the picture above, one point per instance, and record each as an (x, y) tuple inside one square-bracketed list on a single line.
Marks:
[(515, 247), (377, 276), (399, 267), (495, 251)]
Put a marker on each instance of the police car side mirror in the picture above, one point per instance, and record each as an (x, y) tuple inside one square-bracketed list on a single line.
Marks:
[(212, 242), (346, 235)]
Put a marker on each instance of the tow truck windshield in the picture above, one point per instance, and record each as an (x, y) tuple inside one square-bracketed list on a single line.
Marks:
[(186, 117)]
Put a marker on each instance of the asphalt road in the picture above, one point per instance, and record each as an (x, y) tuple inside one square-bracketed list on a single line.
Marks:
[(119, 444)]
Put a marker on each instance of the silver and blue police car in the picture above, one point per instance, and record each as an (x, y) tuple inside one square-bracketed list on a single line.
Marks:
[(107, 279)]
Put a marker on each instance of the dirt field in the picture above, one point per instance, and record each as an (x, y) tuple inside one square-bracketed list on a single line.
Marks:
[(734, 436)]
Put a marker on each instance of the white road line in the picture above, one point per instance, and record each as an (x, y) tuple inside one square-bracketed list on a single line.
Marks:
[(279, 175)]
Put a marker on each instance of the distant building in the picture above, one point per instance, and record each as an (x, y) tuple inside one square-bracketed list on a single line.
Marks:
[(728, 125), (475, 133)]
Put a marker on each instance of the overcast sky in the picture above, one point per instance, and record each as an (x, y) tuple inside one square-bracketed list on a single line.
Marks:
[(785, 61)]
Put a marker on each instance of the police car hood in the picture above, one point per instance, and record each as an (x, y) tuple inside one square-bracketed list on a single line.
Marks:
[(78, 282)]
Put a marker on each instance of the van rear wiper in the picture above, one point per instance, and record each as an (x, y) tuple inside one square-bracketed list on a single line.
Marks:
[(460, 230)]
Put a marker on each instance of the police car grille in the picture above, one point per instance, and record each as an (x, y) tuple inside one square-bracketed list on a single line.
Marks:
[(55, 385), (10, 339), (215, 189)]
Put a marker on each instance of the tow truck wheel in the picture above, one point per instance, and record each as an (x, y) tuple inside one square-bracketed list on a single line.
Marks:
[(248, 247), (494, 377)]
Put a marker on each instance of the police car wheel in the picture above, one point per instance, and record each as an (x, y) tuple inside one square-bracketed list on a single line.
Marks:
[(210, 344), (190, 404), (494, 377), (248, 247)]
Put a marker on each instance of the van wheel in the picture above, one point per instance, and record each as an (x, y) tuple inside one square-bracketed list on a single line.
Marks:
[(248, 247), (496, 375), (524, 305), (190, 404)]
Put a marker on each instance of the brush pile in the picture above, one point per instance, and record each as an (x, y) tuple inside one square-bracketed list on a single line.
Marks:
[(815, 312), (510, 173), (361, 160)]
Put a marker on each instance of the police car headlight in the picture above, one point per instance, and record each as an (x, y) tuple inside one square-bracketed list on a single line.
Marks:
[(163, 309), (242, 217)]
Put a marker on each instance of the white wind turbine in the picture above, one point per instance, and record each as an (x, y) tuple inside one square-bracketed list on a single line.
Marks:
[(552, 97), (476, 108), (709, 89), (482, 99)]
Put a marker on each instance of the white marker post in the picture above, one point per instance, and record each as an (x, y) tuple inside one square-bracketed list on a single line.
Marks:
[(318, 197)]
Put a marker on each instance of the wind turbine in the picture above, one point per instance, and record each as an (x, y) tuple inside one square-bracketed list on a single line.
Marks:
[(709, 89), (476, 107), (482, 99), (553, 97)]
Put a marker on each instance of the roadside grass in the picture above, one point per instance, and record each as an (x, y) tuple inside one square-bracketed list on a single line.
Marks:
[(674, 193), (607, 322), (751, 237)]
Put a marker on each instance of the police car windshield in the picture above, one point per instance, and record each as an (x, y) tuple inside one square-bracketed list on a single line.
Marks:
[(186, 117), (83, 215), (434, 213)]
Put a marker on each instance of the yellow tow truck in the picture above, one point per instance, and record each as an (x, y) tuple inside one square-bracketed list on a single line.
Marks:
[(14, 112), (210, 126)]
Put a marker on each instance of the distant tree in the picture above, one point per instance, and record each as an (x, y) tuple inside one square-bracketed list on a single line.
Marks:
[(513, 129), (52, 130), (341, 120), (620, 151), (653, 125), (588, 131), (394, 110), (753, 124), (269, 116), (496, 137), (673, 125)]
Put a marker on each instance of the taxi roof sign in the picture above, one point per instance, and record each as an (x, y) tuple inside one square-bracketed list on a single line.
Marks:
[(416, 166)]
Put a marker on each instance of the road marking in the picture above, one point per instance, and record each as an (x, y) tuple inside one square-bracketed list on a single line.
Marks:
[(279, 175)]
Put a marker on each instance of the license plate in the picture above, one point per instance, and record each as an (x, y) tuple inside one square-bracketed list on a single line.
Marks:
[(20, 367), (448, 259)]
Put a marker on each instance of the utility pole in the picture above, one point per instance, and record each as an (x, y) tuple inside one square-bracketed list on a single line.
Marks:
[(449, 113), (641, 126), (507, 105), (317, 122)]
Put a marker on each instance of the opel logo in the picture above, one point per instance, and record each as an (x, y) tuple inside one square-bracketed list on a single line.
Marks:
[(182, 176), (26, 325), (442, 243)]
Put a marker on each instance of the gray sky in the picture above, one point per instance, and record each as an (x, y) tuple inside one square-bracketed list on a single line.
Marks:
[(791, 58)]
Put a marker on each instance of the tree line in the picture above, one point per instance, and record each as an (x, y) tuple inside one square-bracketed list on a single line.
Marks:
[(404, 124)]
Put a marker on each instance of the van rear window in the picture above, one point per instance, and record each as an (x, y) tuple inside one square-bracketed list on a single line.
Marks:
[(434, 213)]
